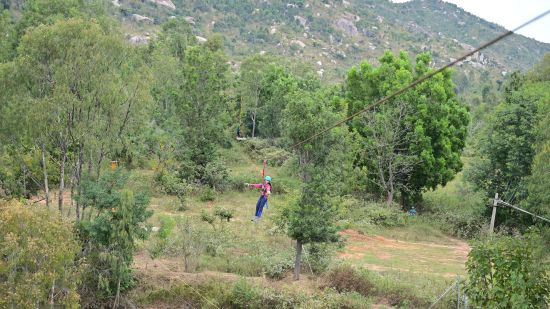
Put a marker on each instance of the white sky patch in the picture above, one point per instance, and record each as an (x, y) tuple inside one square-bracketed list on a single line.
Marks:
[(510, 14)]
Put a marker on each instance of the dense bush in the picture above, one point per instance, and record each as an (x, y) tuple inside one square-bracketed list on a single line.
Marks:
[(506, 272), (37, 258), (386, 216), (460, 213), (263, 149), (345, 278), (171, 184)]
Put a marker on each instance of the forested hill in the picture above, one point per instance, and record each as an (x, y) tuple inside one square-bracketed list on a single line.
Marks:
[(334, 35)]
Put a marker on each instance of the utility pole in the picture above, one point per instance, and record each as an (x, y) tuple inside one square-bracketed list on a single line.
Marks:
[(495, 204)]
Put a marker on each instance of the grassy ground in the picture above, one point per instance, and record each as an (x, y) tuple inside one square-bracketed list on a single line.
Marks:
[(416, 255), (414, 260)]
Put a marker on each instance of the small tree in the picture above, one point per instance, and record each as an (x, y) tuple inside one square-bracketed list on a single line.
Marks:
[(109, 238), (188, 242), (323, 163), (506, 272)]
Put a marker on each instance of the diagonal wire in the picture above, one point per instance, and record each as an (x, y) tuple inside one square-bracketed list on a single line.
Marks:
[(422, 79), (445, 293), (522, 210)]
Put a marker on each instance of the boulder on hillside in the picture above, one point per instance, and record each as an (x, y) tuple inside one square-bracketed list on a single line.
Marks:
[(190, 20), (141, 18), (347, 26), (301, 20), (166, 3), (139, 39), (298, 42)]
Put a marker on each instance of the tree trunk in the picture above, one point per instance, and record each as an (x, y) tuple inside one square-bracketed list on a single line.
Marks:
[(389, 185), (389, 198), (78, 177), (101, 157), (45, 169), (186, 262), (253, 118), (62, 176), (298, 261)]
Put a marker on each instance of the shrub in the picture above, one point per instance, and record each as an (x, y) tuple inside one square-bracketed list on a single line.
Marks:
[(160, 243), (38, 252), (345, 278), (236, 182), (207, 194), (506, 272), (278, 267), (460, 213), (215, 175), (263, 149), (386, 216), (245, 295), (319, 256), (171, 184), (223, 214)]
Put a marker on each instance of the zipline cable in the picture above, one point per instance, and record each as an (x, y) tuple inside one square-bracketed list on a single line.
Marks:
[(522, 210), (420, 80)]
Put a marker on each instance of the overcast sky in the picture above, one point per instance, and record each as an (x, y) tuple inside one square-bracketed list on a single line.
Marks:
[(510, 14)]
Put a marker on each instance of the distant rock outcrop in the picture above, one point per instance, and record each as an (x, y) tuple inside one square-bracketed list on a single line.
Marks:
[(347, 26), (301, 20), (140, 18), (298, 42), (167, 3), (139, 39)]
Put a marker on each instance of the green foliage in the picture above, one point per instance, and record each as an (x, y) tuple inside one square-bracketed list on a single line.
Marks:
[(460, 212), (506, 272), (215, 175), (277, 265), (507, 150), (200, 106), (345, 278), (207, 194), (8, 35), (262, 149), (188, 242), (39, 258), (391, 216), (109, 239), (422, 131), (173, 185), (158, 244), (223, 214)]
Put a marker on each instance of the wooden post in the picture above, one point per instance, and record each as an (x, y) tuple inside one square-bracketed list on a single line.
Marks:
[(495, 203)]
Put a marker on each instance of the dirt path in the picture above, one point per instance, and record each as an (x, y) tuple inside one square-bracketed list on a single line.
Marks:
[(382, 254)]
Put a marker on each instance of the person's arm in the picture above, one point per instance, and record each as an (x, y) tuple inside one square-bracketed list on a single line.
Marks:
[(255, 185)]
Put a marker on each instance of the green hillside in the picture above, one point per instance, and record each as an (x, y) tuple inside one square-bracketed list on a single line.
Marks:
[(334, 35)]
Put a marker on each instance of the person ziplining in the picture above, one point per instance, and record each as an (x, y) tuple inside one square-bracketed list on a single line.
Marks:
[(265, 188)]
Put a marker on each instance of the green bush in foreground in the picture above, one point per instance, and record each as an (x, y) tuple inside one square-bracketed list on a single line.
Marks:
[(506, 272), (37, 258)]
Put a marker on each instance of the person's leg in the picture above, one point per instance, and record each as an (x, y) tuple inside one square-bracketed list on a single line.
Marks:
[(258, 206), (263, 200)]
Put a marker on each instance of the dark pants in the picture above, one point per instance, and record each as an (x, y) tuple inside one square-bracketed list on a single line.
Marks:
[(262, 201)]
